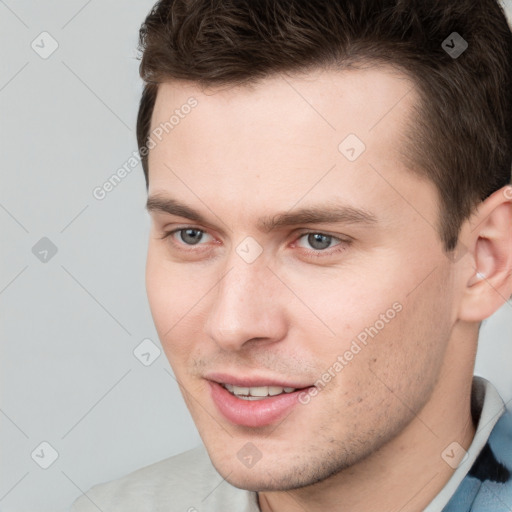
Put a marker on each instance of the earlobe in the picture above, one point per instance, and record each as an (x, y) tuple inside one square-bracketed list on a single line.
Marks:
[(490, 283)]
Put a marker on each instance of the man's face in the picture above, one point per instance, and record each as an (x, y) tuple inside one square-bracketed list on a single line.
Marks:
[(354, 312)]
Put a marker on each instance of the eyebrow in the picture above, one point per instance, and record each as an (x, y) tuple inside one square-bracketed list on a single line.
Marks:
[(328, 213)]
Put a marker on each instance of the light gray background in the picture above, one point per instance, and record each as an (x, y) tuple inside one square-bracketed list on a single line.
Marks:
[(69, 325)]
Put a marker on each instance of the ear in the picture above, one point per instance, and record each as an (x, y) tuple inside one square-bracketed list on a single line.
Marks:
[(487, 274)]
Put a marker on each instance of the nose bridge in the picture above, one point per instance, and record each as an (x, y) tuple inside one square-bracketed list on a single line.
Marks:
[(244, 304)]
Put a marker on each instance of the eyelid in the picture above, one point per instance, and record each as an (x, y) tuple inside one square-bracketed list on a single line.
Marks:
[(303, 231)]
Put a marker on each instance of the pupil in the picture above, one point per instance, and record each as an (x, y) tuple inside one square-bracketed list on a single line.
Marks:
[(318, 241)]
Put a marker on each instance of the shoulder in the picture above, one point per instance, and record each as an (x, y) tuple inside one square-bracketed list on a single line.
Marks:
[(182, 482)]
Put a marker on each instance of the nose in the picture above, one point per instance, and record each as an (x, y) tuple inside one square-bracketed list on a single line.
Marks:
[(247, 306)]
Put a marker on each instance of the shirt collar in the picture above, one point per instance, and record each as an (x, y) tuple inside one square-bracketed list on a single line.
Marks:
[(487, 407)]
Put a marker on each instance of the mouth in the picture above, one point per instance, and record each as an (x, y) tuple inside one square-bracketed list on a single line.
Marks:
[(257, 392), (253, 403)]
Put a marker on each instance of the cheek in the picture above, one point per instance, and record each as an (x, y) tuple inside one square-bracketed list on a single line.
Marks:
[(388, 334), (348, 307), (403, 361)]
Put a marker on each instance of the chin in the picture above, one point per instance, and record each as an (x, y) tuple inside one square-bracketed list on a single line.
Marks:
[(267, 475), (261, 482), (261, 477)]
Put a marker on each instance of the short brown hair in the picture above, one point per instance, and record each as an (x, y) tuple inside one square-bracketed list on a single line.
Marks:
[(462, 133)]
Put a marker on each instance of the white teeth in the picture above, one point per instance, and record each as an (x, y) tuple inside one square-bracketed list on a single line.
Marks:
[(259, 391), (256, 392), (240, 391), (275, 390)]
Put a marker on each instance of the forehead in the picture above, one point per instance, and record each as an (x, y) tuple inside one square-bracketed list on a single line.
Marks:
[(310, 137), (355, 99)]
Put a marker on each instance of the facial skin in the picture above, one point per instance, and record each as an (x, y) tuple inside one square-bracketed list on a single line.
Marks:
[(382, 422)]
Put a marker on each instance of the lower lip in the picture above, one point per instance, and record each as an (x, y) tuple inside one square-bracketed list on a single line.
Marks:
[(253, 413)]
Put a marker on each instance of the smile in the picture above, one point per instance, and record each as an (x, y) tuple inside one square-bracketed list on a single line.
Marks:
[(256, 392), (254, 406)]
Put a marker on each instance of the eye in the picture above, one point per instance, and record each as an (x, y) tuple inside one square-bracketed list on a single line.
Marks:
[(319, 243), (186, 236), (314, 243)]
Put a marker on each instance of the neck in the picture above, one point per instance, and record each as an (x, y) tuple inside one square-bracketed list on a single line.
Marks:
[(410, 470)]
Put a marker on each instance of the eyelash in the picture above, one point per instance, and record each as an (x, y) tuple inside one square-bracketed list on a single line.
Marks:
[(339, 247)]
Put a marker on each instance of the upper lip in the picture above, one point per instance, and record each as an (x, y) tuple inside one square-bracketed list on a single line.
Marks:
[(252, 381)]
